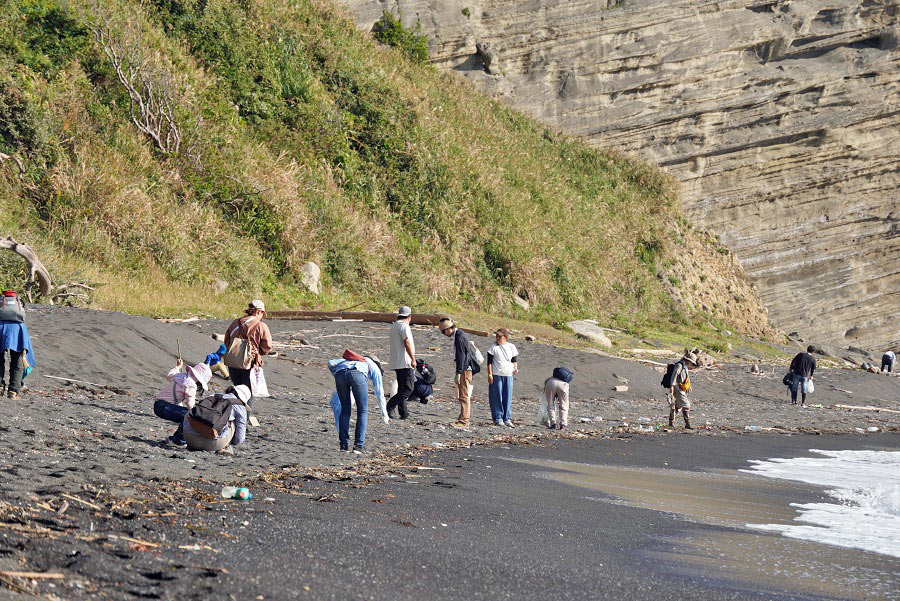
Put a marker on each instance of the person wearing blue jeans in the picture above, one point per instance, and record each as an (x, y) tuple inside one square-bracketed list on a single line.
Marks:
[(352, 378), (802, 367), (172, 413), (502, 365)]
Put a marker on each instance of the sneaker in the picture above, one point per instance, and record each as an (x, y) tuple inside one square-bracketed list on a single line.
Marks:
[(178, 442), (12, 395), (358, 450), (552, 426), (564, 427), (345, 447), (226, 451), (426, 400), (459, 425), (498, 423), (392, 414), (509, 424)]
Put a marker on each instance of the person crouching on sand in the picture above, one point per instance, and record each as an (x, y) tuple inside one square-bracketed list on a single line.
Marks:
[(352, 374), (177, 397), (503, 365), (219, 421), (680, 388)]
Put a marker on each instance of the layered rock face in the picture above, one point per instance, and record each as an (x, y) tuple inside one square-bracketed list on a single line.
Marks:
[(780, 117)]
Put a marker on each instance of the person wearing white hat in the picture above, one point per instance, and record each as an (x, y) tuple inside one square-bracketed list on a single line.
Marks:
[(403, 361), (219, 421), (177, 397), (251, 328)]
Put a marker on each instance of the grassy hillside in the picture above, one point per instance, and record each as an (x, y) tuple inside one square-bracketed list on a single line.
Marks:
[(302, 139)]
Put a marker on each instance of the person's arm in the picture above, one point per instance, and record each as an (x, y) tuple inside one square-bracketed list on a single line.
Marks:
[(265, 340), (515, 362), (812, 367), (408, 343), (490, 365), (190, 393), (794, 364), (175, 370), (378, 388), (460, 354), (240, 424)]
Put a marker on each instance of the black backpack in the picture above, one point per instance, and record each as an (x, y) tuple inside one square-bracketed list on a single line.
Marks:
[(427, 372), (210, 416), (563, 373), (670, 372)]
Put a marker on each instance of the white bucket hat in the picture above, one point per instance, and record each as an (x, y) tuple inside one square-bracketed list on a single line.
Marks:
[(242, 392)]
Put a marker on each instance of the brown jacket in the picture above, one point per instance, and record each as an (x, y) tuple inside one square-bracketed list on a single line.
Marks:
[(259, 336)]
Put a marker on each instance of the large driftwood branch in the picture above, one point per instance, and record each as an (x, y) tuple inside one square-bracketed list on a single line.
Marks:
[(36, 269), (18, 162)]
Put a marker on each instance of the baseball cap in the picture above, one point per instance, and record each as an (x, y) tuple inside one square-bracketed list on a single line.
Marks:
[(404, 311)]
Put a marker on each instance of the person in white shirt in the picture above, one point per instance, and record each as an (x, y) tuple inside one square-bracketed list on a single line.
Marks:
[(887, 361), (403, 362), (502, 365)]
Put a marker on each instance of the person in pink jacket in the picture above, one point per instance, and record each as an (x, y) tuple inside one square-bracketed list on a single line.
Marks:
[(178, 396)]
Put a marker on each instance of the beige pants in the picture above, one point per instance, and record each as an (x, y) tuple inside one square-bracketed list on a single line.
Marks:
[(680, 399), (200, 443), (463, 394), (557, 394)]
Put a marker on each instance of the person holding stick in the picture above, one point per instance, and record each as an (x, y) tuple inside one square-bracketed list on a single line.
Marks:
[(180, 394)]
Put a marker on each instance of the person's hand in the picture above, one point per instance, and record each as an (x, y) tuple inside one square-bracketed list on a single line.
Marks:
[(179, 363), (490, 379), (414, 363), (516, 371)]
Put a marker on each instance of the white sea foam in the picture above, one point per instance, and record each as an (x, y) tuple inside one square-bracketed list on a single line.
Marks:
[(866, 491)]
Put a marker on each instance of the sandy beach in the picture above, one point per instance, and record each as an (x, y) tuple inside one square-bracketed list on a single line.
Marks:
[(101, 443)]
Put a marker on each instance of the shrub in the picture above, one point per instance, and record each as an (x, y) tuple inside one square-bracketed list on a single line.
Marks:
[(389, 30)]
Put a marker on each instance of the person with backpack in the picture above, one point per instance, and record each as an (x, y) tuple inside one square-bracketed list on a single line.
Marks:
[(403, 361), (218, 422), (887, 361), (556, 392), (502, 366), (352, 374), (466, 368), (425, 377), (677, 382), (179, 395), (803, 366), (15, 344), (247, 341)]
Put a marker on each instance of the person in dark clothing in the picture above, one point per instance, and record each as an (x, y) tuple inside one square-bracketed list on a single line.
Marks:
[(802, 368), (424, 378), (887, 361), (462, 357)]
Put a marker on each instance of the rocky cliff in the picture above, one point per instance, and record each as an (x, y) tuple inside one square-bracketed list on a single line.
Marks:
[(780, 117)]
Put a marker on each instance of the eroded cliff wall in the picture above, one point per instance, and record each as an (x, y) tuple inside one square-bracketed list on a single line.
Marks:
[(781, 118)]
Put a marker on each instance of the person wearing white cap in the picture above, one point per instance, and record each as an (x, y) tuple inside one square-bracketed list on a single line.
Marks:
[(251, 328), (218, 421), (175, 399), (403, 362)]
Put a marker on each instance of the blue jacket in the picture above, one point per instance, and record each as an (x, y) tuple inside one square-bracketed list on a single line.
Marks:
[(14, 336), (368, 369)]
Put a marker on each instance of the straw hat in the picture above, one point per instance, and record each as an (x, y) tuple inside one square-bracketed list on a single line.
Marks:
[(689, 356)]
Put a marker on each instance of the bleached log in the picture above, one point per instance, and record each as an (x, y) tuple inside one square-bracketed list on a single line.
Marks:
[(37, 271)]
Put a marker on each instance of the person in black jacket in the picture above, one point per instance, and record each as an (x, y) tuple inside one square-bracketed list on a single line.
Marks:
[(802, 368), (465, 366)]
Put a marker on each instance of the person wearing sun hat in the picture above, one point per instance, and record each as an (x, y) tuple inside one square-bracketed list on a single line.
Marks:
[(679, 389), (177, 397), (251, 328), (234, 433)]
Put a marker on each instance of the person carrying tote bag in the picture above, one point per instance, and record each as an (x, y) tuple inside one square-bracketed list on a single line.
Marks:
[(248, 340)]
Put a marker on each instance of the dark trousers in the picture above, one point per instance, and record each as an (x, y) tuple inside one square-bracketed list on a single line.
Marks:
[(242, 376), (887, 363), (421, 391), (14, 383), (406, 382), (171, 413)]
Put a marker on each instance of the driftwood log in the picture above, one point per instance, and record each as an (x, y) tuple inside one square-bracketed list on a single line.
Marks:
[(36, 270)]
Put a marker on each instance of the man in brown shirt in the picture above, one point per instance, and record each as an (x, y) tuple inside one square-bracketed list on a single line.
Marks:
[(251, 328)]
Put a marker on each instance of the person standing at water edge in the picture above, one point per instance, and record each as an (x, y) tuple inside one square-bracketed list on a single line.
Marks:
[(887, 361), (352, 377), (403, 362), (251, 328), (503, 365), (680, 389), (802, 367)]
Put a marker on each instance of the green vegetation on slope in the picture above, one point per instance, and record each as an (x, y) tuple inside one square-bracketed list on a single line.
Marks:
[(305, 140)]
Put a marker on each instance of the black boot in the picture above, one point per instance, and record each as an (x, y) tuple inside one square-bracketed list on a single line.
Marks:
[(672, 417), (687, 421)]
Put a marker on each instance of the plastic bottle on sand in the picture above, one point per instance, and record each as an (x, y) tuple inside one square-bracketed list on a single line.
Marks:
[(234, 492)]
